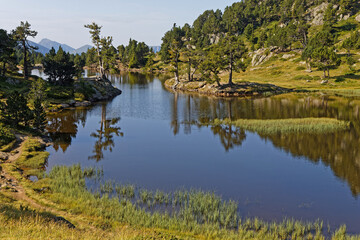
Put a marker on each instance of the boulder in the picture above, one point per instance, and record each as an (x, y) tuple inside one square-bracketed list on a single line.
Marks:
[(287, 56), (324, 81), (357, 18), (4, 156), (317, 14)]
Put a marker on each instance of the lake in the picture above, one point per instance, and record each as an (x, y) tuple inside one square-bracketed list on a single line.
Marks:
[(159, 139)]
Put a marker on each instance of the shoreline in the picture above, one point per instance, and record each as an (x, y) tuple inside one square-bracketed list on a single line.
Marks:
[(104, 91), (243, 89)]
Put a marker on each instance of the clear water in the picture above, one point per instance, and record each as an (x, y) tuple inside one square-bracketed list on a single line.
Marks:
[(153, 138)]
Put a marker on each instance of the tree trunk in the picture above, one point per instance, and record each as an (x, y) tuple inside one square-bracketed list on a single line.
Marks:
[(324, 73), (25, 69), (177, 80), (4, 69), (231, 74), (192, 74), (189, 70), (328, 70)]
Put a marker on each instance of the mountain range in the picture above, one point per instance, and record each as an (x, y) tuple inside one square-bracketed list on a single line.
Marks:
[(45, 45)]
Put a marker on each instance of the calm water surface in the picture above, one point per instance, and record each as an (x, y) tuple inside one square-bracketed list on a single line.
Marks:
[(157, 139)]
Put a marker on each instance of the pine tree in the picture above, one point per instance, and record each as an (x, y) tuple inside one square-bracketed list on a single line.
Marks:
[(39, 116), (21, 34), (16, 110)]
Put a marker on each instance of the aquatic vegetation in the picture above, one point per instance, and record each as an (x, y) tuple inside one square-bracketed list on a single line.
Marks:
[(192, 212), (291, 125)]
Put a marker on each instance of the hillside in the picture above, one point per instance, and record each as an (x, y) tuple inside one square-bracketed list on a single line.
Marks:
[(295, 44)]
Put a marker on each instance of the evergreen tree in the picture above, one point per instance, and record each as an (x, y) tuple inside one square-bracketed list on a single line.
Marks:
[(16, 110), (37, 91), (21, 34), (212, 64), (7, 45), (233, 53), (102, 46), (59, 68), (39, 116), (321, 52)]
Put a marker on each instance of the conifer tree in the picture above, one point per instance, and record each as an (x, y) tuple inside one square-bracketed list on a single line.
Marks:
[(21, 34), (39, 115)]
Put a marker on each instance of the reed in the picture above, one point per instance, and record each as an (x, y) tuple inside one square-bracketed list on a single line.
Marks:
[(288, 126), (193, 212)]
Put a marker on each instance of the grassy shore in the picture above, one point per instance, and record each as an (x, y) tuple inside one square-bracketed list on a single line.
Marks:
[(60, 206)]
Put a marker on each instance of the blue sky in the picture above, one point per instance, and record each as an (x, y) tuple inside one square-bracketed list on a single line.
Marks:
[(143, 20)]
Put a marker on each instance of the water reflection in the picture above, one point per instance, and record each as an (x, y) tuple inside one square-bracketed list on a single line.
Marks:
[(168, 143), (340, 150), (105, 135), (63, 127)]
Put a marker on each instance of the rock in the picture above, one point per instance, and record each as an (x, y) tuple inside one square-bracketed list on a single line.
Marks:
[(72, 102), (262, 55), (317, 14), (324, 81), (357, 18), (287, 56), (82, 104), (64, 105), (4, 156)]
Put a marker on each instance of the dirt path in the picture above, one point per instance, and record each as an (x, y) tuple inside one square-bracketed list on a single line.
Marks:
[(13, 188), (9, 182)]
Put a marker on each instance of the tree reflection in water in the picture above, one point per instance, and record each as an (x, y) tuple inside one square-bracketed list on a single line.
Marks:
[(340, 150), (63, 126), (105, 135)]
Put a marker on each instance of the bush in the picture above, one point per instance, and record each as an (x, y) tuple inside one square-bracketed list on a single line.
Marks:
[(339, 79), (6, 136)]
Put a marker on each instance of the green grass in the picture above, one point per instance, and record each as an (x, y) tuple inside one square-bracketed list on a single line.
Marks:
[(195, 214), (291, 125), (33, 159), (126, 212)]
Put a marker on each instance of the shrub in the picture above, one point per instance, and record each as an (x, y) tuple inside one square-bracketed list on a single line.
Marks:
[(6, 136), (339, 79)]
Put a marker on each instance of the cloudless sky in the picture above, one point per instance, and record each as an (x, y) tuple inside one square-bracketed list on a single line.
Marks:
[(143, 20)]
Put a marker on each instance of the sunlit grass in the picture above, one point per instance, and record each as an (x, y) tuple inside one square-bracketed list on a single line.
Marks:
[(291, 125), (194, 213), (32, 159)]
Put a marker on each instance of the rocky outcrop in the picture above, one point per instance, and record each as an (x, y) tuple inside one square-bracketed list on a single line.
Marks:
[(244, 89), (317, 14), (262, 55), (103, 89)]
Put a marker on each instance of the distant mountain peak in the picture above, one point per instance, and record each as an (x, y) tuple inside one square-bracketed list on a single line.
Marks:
[(46, 44)]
